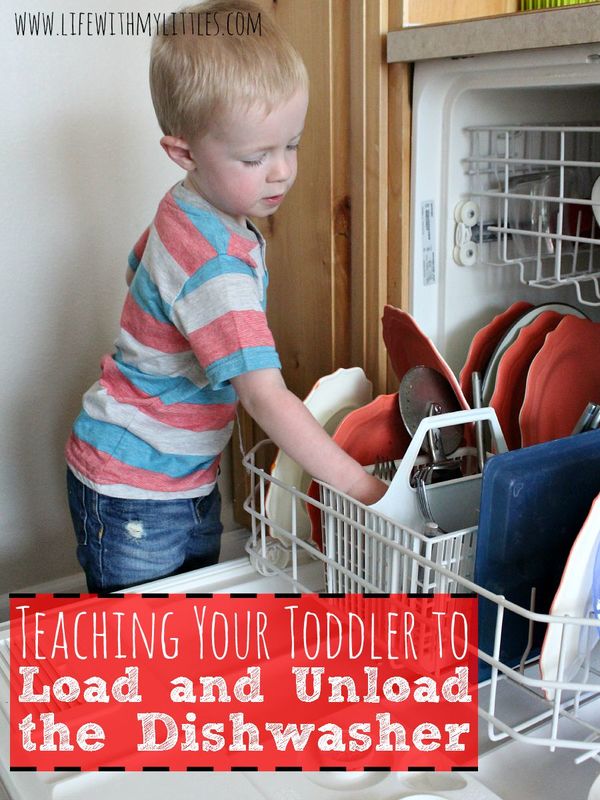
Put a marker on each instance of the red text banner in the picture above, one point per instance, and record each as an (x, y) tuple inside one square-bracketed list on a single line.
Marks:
[(227, 682)]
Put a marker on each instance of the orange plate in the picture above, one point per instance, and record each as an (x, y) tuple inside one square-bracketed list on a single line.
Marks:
[(484, 343), (509, 390), (563, 378), (409, 347)]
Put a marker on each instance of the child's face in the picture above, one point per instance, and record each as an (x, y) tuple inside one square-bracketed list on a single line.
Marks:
[(246, 162)]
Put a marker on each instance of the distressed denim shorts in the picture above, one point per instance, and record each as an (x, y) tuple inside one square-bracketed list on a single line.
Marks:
[(124, 542)]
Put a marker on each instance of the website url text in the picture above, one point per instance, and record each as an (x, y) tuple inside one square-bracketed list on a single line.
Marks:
[(131, 23)]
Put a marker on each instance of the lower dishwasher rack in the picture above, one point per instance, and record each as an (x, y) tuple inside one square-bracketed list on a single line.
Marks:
[(354, 549)]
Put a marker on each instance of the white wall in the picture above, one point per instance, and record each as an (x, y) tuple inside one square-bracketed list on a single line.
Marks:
[(82, 173)]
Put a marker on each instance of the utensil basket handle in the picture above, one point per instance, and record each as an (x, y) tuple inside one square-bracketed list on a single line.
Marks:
[(393, 504)]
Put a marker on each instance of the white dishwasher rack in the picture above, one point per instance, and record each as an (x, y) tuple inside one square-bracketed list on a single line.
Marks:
[(533, 185), (364, 551)]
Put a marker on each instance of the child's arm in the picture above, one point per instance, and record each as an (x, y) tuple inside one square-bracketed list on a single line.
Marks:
[(288, 422)]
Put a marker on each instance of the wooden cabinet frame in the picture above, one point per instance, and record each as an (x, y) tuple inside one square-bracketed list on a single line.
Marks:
[(380, 154)]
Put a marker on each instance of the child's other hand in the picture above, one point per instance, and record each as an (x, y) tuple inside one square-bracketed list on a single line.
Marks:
[(367, 489)]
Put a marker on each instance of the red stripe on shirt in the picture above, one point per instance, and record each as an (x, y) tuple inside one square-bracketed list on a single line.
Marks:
[(244, 328), (140, 245), (239, 247), (183, 241), (149, 331)]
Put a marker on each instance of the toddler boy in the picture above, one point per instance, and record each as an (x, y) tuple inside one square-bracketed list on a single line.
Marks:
[(144, 452)]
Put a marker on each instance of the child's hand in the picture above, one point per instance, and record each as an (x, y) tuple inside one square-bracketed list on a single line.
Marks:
[(367, 489)]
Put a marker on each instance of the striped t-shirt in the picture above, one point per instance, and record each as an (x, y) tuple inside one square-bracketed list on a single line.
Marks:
[(156, 422)]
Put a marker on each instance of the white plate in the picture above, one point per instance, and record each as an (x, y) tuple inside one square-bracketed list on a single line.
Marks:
[(596, 585), (596, 200), (595, 790), (489, 378), (329, 401), (573, 599)]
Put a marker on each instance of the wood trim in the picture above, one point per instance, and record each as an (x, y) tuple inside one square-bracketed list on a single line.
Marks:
[(340, 183), (368, 157), (399, 188)]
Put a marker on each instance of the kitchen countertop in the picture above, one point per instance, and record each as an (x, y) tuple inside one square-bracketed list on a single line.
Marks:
[(524, 31)]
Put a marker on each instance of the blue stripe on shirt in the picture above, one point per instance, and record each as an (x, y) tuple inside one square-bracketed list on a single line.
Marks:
[(245, 360), (208, 224), (133, 260), (146, 294), (174, 389), (129, 449)]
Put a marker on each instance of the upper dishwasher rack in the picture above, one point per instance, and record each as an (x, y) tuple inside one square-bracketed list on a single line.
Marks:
[(534, 184)]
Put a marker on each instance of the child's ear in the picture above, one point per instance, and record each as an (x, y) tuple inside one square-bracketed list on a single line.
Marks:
[(178, 151)]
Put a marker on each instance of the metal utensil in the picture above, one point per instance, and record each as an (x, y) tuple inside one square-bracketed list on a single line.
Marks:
[(477, 403), (385, 469), (421, 478), (594, 423), (589, 420), (430, 477), (434, 439), (421, 390)]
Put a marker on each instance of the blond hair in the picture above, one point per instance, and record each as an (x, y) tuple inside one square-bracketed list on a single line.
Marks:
[(194, 76)]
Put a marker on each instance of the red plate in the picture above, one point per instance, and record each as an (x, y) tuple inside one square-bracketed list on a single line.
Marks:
[(563, 378), (375, 431), (484, 343), (409, 347), (509, 389)]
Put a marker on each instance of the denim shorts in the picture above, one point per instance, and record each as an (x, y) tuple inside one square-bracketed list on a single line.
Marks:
[(124, 542)]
